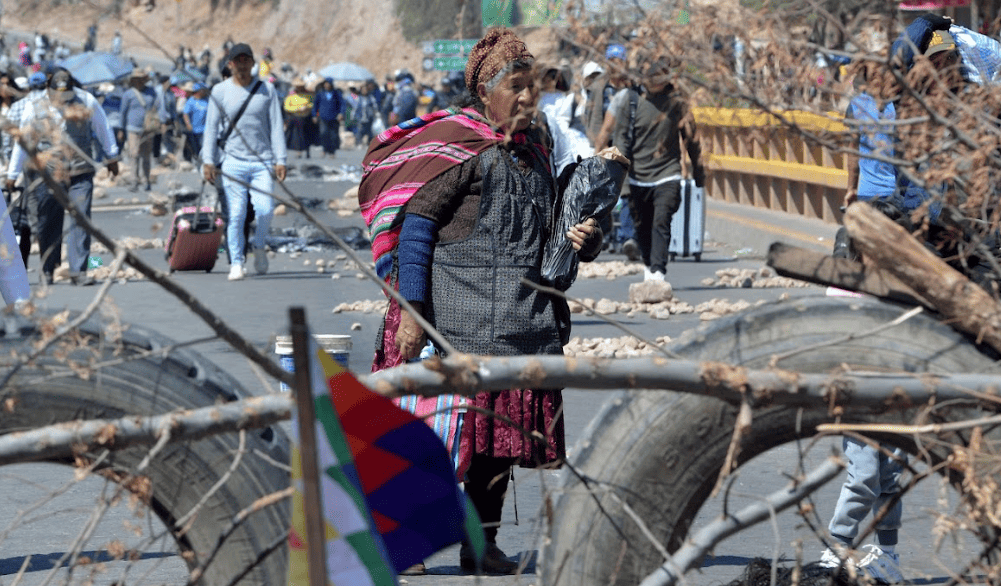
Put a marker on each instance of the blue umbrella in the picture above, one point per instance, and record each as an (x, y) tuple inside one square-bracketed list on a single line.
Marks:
[(346, 72), (94, 67), (180, 76)]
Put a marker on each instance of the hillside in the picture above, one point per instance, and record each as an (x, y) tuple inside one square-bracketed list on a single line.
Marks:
[(305, 33)]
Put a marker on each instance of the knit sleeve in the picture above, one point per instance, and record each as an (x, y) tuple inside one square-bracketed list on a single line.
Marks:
[(431, 209)]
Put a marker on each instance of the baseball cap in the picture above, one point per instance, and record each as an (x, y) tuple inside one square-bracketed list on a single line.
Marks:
[(615, 52), (940, 41), (240, 49), (37, 80), (590, 68), (61, 81)]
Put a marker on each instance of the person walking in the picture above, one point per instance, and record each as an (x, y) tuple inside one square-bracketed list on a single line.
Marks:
[(141, 119), (647, 130), (365, 111), (872, 485), (116, 43), (195, 111), (298, 107), (405, 101), (478, 216), (252, 148), (74, 171), (163, 143), (328, 109), (91, 43)]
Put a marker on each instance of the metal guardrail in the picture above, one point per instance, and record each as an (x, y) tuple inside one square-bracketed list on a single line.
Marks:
[(753, 158)]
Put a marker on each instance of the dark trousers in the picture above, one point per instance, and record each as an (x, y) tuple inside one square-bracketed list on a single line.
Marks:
[(652, 209), (330, 135), (486, 485), (193, 146), (50, 224)]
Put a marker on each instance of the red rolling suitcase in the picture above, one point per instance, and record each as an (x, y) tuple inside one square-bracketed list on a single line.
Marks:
[(194, 239)]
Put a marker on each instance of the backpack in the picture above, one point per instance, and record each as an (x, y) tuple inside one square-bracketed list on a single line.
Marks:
[(151, 121)]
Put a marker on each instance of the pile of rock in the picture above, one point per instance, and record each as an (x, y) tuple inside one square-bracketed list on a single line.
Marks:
[(129, 243), (347, 206), (621, 347), (734, 278), (610, 270), (364, 306), (655, 298), (717, 308)]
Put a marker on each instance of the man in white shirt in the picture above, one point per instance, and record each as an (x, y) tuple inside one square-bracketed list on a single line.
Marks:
[(253, 154), (63, 124)]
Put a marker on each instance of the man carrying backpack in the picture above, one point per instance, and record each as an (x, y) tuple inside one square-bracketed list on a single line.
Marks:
[(648, 127), (141, 118)]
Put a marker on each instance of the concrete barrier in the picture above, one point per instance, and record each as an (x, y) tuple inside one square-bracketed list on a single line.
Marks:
[(764, 160)]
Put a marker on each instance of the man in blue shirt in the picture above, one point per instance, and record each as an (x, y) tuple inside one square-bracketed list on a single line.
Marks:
[(328, 111), (405, 102)]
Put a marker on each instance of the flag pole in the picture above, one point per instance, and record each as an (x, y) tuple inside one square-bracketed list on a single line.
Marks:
[(316, 552)]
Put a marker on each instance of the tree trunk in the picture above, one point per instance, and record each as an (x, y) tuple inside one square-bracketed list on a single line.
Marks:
[(963, 304)]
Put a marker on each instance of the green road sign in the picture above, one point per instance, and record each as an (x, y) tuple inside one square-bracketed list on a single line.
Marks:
[(450, 63), (453, 46)]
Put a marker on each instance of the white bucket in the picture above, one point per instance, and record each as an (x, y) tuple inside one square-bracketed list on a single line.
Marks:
[(337, 345)]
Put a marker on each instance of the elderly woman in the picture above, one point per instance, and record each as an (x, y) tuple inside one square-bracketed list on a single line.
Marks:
[(460, 204)]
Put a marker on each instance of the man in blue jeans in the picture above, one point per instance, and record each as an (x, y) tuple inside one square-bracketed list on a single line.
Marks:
[(873, 471), (253, 155)]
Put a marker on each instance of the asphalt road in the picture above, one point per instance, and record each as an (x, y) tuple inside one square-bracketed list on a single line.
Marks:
[(258, 309)]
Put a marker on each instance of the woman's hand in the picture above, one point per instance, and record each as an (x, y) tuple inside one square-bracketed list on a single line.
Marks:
[(410, 335), (581, 232)]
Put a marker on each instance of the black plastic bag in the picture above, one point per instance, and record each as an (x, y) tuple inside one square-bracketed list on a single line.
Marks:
[(591, 192)]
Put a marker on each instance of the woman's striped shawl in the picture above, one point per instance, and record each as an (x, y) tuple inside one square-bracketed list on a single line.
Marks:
[(402, 159)]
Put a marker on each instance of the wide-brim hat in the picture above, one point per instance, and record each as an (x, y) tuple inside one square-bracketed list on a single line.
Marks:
[(138, 75)]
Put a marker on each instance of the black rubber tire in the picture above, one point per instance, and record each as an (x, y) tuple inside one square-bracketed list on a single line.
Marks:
[(48, 392), (661, 452)]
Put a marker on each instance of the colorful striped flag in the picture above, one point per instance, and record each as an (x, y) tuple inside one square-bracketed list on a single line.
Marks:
[(388, 489)]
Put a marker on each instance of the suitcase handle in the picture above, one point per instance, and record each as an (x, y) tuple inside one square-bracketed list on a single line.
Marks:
[(198, 225)]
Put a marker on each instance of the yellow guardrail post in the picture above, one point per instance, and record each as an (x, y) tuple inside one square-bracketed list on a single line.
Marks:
[(753, 158)]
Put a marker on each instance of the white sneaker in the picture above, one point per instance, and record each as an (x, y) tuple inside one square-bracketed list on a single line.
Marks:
[(236, 272), (831, 558), (649, 275), (261, 261), (883, 566)]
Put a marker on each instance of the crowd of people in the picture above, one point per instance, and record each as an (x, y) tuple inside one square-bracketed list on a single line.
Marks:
[(458, 223)]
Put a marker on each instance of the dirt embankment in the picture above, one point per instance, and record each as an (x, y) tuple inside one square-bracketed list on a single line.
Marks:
[(304, 33)]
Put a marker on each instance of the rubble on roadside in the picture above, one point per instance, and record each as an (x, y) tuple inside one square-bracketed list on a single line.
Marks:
[(364, 306), (610, 270), (620, 347), (129, 243), (751, 278)]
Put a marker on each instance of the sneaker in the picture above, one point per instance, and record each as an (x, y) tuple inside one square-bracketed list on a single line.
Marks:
[(261, 262), (631, 249), (83, 280), (832, 558), (882, 566), (236, 272), (649, 275)]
